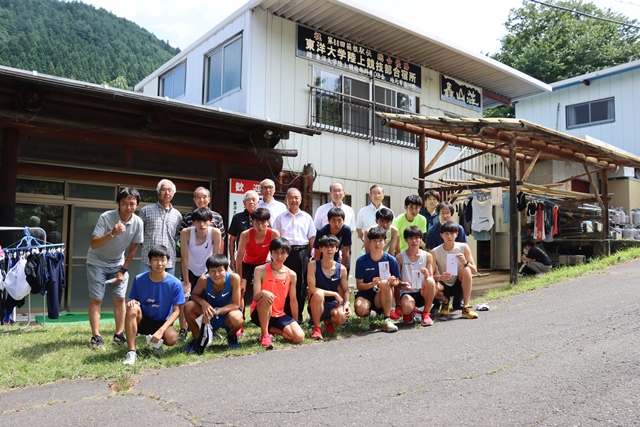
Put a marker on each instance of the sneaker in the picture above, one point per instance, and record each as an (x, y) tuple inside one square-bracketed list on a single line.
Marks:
[(232, 340), (189, 348), (97, 343), (266, 342), (372, 314), (131, 358), (395, 314), (240, 333), (329, 328), (466, 312), (119, 339), (158, 352), (444, 310), (426, 319), (364, 323), (388, 325), (316, 334), (182, 335), (407, 318)]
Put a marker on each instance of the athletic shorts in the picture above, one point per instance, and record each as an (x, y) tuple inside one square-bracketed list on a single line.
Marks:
[(219, 322), (97, 278), (148, 326), (328, 307), (415, 294), (275, 322), (369, 295), (455, 289)]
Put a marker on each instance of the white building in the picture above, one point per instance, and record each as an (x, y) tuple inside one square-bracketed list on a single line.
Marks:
[(329, 65), (598, 106)]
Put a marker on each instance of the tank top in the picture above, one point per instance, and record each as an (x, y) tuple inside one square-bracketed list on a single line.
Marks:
[(440, 256), (411, 270), (224, 297), (256, 254), (482, 219), (327, 283), (278, 287), (198, 254)]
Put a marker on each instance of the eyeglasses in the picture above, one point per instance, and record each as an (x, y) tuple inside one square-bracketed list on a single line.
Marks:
[(166, 190), (267, 187)]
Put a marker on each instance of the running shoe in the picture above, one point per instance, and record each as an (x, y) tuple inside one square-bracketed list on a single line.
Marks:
[(316, 334), (395, 314), (182, 335), (131, 358), (329, 328), (426, 319), (118, 339), (388, 325), (407, 318), (158, 352), (232, 340), (466, 312), (97, 343), (240, 333), (266, 342)]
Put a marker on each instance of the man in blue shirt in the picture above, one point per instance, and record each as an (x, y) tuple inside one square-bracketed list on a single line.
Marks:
[(336, 227), (154, 305)]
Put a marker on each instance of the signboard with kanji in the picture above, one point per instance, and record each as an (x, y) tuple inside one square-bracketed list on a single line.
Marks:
[(463, 94), (317, 46), (237, 188)]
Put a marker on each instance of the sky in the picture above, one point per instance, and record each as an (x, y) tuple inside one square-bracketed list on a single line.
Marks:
[(475, 25)]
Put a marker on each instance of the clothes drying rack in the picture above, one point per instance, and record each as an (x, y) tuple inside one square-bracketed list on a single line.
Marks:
[(28, 242)]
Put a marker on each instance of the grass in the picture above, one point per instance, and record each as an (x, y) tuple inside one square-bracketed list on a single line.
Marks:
[(40, 355)]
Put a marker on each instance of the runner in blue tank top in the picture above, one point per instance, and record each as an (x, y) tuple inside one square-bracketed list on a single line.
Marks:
[(220, 305)]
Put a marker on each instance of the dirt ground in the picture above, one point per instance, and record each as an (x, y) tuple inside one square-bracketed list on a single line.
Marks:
[(486, 280)]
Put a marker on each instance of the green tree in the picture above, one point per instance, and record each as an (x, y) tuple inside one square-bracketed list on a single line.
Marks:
[(553, 44)]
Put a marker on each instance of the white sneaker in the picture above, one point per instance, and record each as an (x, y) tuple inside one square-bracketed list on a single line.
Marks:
[(131, 358)]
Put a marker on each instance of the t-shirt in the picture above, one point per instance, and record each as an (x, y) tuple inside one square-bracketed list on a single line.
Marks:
[(344, 235), (157, 299), (401, 222), (367, 269), (434, 239), (240, 222), (112, 253)]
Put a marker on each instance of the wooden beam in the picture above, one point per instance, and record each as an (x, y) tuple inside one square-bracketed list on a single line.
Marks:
[(422, 158), (596, 191), (531, 165), (604, 182), (514, 235), (457, 162), (435, 158)]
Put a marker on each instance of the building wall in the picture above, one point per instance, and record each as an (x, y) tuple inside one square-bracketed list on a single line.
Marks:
[(549, 109)]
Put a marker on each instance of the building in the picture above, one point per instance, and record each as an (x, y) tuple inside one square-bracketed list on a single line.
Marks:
[(330, 66), (598, 106), (67, 147)]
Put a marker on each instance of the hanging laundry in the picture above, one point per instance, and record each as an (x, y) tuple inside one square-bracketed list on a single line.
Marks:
[(482, 217)]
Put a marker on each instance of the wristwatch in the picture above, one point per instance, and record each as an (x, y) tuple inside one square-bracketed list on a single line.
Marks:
[(217, 310), (466, 264), (123, 270)]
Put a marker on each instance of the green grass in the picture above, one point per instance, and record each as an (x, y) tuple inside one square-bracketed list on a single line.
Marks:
[(56, 352)]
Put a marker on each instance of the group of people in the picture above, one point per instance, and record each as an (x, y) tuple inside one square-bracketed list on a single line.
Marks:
[(279, 258)]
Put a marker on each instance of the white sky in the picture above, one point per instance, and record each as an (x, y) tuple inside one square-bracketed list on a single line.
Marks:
[(476, 25)]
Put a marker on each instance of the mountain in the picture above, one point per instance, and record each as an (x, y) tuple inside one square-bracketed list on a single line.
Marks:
[(77, 41)]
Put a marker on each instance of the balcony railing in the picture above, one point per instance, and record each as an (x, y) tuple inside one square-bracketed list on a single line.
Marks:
[(349, 115)]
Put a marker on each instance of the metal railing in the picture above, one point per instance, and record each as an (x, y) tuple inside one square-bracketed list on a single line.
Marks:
[(349, 115)]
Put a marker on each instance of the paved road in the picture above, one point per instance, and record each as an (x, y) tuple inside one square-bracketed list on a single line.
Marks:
[(564, 355)]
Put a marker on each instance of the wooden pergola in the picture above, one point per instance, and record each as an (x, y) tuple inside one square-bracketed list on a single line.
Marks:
[(516, 142)]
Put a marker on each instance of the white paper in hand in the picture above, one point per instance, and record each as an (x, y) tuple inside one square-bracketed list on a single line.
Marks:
[(383, 270), (416, 279), (452, 264), (154, 344)]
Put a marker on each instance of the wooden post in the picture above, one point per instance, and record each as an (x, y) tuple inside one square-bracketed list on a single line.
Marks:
[(422, 159), (308, 174), (604, 191), (8, 178), (514, 232)]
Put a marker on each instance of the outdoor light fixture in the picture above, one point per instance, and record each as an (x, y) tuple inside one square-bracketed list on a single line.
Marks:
[(585, 82)]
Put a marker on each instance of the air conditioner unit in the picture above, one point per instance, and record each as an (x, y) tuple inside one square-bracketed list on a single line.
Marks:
[(625, 172)]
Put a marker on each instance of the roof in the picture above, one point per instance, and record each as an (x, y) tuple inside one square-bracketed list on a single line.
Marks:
[(354, 21), (532, 140), (596, 75)]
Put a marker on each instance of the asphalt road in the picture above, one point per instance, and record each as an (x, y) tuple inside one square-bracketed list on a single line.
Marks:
[(564, 355)]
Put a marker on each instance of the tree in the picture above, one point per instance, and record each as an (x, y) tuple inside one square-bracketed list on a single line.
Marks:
[(554, 44)]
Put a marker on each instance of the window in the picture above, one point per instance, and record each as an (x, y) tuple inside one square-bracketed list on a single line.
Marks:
[(224, 69), (173, 83), (591, 113), (344, 105)]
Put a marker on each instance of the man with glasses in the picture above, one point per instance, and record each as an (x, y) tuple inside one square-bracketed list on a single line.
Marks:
[(367, 215), (202, 198), (242, 221), (275, 208), (161, 223)]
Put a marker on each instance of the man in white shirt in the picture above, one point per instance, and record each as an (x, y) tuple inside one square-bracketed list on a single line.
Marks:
[(367, 215), (275, 208), (297, 227), (336, 192)]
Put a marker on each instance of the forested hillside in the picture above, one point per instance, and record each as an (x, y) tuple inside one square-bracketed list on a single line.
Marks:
[(77, 41)]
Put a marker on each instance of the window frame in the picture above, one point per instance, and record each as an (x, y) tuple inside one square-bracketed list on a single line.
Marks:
[(220, 49), (572, 107), (171, 73)]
